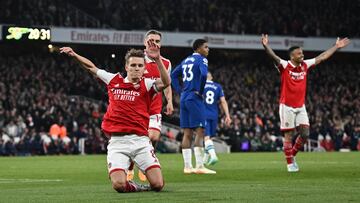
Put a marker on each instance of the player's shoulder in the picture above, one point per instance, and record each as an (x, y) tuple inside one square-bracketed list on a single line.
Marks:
[(200, 58)]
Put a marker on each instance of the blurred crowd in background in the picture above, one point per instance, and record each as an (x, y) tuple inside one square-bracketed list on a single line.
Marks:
[(276, 17), (49, 105)]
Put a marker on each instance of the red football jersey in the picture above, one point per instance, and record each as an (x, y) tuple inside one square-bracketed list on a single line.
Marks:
[(293, 82), (129, 104), (153, 73)]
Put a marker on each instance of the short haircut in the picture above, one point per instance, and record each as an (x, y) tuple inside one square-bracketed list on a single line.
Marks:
[(153, 32), (134, 53), (198, 43), (291, 49)]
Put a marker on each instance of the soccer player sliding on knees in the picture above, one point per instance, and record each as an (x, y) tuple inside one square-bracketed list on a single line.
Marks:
[(127, 117), (293, 115)]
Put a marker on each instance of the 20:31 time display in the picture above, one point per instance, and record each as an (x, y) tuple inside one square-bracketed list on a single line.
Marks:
[(26, 33)]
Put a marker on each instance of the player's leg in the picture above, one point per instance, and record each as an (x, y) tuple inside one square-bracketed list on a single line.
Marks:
[(120, 184), (155, 129), (303, 127), (187, 138), (118, 161), (207, 137), (287, 126), (148, 163), (155, 178), (154, 135), (210, 132), (197, 121), (186, 150)]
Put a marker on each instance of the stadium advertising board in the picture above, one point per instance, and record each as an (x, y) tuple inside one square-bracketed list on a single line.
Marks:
[(96, 36), (17, 33), (172, 39)]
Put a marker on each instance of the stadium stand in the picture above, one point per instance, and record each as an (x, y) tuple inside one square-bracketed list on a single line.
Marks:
[(292, 18)]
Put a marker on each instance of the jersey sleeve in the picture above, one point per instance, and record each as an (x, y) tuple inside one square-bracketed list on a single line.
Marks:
[(169, 68), (150, 83), (203, 66), (105, 76), (282, 65), (310, 63)]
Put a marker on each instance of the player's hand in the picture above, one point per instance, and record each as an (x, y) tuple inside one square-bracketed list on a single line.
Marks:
[(340, 43), (227, 121), (153, 50), (67, 50), (264, 39), (169, 109)]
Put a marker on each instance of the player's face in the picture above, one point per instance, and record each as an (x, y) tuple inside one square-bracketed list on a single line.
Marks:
[(297, 55), (135, 67), (204, 49), (154, 38)]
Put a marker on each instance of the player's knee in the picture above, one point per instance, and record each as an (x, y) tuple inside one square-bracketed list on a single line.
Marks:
[(119, 186), (304, 132), (157, 185), (288, 135)]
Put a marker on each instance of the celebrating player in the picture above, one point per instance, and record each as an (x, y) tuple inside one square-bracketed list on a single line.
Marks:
[(152, 72), (127, 117), (193, 71), (292, 95), (213, 93)]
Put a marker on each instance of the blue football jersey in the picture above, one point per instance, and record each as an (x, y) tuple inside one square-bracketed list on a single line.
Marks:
[(193, 71), (212, 94)]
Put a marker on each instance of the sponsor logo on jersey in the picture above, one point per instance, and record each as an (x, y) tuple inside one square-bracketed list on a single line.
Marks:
[(297, 76), (125, 95)]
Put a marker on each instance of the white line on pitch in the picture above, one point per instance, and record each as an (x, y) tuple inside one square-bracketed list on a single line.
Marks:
[(7, 180)]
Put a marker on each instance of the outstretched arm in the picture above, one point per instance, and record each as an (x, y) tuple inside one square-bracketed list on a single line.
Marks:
[(84, 62), (154, 52), (269, 51), (340, 43)]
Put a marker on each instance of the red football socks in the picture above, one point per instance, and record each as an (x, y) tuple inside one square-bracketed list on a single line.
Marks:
[(288, 152), (298, 145)]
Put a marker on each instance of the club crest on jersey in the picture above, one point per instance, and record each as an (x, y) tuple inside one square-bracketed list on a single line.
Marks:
[(137, 86)]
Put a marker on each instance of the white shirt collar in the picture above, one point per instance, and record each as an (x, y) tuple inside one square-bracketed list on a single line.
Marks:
[(126, 80)]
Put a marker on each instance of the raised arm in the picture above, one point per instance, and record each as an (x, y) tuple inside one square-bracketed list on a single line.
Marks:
[(340, 43), (84, 62), (154, 53), (269, 51)]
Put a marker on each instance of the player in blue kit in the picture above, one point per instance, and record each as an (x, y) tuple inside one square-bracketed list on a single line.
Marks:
[(213, 94), (193, 72)]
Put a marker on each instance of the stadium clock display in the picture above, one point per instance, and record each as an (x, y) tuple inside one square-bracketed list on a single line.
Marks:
[(14, 33)]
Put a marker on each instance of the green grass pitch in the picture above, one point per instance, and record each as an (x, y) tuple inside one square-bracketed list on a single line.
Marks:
[(242, 177)]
